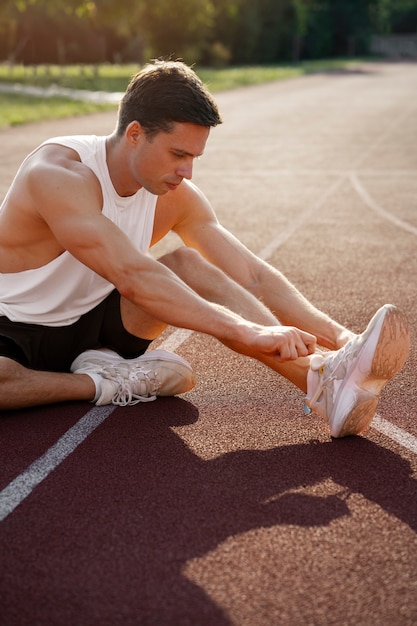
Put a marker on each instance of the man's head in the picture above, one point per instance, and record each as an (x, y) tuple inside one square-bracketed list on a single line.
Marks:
[(164, 93)]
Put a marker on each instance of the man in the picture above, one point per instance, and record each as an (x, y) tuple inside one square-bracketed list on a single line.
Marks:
[(81, 300)]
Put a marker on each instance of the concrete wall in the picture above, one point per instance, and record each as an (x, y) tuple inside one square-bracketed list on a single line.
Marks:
[(395, 46)]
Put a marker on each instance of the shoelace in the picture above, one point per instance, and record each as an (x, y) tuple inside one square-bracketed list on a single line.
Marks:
[(341, 357), (125, 395)]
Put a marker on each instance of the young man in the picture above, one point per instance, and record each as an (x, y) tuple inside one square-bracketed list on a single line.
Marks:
[(81, 300)]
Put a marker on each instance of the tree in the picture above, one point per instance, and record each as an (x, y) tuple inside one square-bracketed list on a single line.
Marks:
[(178, 29), (242, 31)]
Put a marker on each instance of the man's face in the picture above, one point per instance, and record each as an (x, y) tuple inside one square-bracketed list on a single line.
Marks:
[(160, 164)]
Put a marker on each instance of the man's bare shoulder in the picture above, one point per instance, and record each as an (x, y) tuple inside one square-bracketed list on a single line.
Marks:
[(53, 178), (51, 190), (52, 159)]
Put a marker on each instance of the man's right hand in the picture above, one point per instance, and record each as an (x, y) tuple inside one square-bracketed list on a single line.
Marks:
[(283, 343)]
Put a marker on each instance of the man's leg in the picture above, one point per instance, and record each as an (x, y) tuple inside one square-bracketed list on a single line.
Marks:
[(22, 387), (342, 385), (102, 376), (214, 285), (290, 306)]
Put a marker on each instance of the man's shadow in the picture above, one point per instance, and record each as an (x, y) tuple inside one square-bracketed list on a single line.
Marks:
[(155, 505)]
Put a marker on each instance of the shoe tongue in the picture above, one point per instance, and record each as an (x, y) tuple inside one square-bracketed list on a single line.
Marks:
[(143, 382)]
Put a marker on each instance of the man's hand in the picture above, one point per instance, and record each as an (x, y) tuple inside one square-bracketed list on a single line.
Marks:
[(283, 343)]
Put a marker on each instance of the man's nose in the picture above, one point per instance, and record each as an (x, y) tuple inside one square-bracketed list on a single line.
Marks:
[(185, 170)]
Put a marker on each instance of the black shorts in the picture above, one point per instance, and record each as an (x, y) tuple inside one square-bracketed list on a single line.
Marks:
[(54, 348)]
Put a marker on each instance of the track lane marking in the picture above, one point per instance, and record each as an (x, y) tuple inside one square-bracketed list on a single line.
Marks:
[(371, 203), (23, 485), (395, 433), (299, 220)]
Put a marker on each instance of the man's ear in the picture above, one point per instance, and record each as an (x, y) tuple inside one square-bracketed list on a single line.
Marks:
[(134, 132)]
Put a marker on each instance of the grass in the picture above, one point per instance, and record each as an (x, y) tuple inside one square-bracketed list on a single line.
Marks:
[(104, 77), (19, 109), (230, 78)]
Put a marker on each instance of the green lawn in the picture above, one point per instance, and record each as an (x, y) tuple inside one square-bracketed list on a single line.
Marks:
[(18, 109)]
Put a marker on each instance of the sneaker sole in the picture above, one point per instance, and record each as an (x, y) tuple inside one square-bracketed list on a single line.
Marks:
[(390, 353)]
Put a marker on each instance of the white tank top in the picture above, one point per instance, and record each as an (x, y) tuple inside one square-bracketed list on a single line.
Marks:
[(58, 293)]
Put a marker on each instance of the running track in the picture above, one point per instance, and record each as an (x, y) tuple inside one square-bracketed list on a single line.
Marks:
[(228, 506)]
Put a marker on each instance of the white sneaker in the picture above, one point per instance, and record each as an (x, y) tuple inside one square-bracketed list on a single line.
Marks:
[(129, 381), (344, 386)]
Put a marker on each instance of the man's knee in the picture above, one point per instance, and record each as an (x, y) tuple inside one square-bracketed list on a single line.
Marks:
[(203, 277), (138, 323), (189, 265), (10, 369), (182, 259)]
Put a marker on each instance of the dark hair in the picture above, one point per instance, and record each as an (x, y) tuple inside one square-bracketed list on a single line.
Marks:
[(163, 93)]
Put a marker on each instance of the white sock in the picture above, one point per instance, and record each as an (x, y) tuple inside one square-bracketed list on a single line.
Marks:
[(96, 378)]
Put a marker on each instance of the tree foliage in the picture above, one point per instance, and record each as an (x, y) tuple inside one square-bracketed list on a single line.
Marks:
[(205, 31)]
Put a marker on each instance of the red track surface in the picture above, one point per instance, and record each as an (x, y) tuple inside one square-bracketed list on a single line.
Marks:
[(228, 506)]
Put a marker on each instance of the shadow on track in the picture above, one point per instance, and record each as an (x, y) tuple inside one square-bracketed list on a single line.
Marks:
[(105, 539)]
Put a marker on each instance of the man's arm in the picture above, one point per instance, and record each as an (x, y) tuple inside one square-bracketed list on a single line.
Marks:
[(68, 199), (199, 228)]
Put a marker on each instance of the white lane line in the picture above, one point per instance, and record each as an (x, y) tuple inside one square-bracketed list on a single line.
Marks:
[(299, 220), (371, 203), (175, 339), (25, 483), (405, 439), (383, 426), (396, 121), (400, 436)]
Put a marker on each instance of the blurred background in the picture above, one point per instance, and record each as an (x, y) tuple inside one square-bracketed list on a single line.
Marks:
[(214, 33)]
